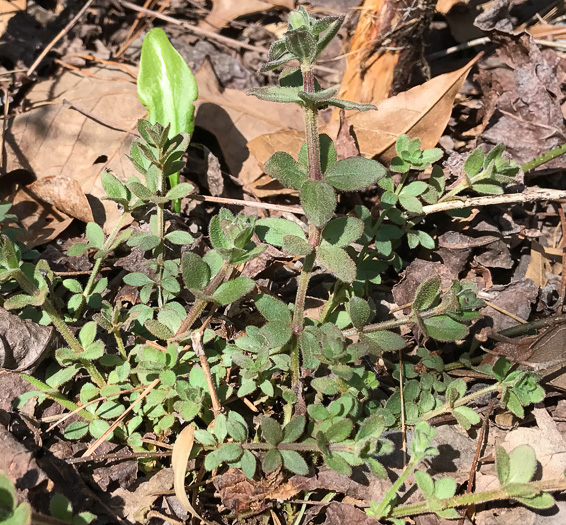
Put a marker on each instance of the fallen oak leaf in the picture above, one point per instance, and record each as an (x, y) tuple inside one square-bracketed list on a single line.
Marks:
[(421, 112), (224, 11)]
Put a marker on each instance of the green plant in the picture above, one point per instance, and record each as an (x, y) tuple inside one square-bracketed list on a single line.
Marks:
[(167, 88), (160, 366)]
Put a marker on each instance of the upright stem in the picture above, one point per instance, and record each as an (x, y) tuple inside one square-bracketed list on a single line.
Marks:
[(200, 304), (390, 494)]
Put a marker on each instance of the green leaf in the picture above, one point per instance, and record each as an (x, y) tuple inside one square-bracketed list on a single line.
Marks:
[(276, 94), (334, 24), (443, 328), (354, 173), (286, 170), (522, 464), (179, 237), (343, 231), (294, 429), (466, 417), (349, 105), (60, 508), (231, 291), (205, 437), (318, 199), (474, 163), (113, 186), (272, 309), (95, 235), (328, 153), (271, 461), (384, 341), (414, 188), (502, 465), (179, 191), (296, 246), (196, 273), (230, 452), (411, 204), (337, 261), (427, 293), (294, 462), (137, 279), (249, 464), (301, 44), (542, 500), (425, 483), (372, 427), (325, 385), (212, 461), (339, 431), (166, 85), (339, 464), (273, 230), (271, 430), (359, 311), (158, 329), (487, 189), (8, 495)]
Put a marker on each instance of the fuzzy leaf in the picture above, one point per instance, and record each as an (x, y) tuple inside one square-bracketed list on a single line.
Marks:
[(384, 341), (328, 155), (427, 293), (343, 231), (354, 173), (466, 417), (301, 44), (276, 94), (319, 201), (339, 431), (522, 464), (196, 273), (296, 246), (231, 291), (95, 235), (474, 163), (443, 328), (272, 309), (294, 462), (294, 429), (230, 452), (543, 500), (249, 464), (339, 464), (286, 170), (271, 430), (502, 465), (271, 461), (425, 483), (359, 311), (272, 230), (158, 329), (337, 261)]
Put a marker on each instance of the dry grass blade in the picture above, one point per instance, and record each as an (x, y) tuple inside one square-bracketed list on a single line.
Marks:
[(181, 452), (90, 450)]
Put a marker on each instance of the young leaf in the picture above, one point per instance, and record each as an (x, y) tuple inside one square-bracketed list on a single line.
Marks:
[(337, 261), (522, 464), (443, 328), (354, 173), (271, 461), (272, 309), (294, 429), (301, 44), (383, 341), (359, 311), (166, 85), (466, 417), (425, 483), (95, 235), (474, 163), (231, 291), (276, 94), (319, 201), (339, 431)]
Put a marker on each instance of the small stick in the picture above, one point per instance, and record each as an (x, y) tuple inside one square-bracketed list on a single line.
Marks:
[(563, 277), (59, 36), (121, 418), (403, 429), (508, 198), (117, 456), (196, 338), (251, 204), (505, 312), (481, 436)]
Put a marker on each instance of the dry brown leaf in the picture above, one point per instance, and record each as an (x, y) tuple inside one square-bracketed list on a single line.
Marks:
[(421, 112), (235, 118), (443, 6), (65, 194), (539, 264), (224, 11), (52, 140)]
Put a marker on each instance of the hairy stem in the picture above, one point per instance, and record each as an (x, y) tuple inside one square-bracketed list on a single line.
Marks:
[(543, 159), (477, 498), (200, 304), (446, 408)]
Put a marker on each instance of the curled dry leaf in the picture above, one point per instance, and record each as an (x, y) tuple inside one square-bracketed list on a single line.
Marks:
[(53, 141), (179, 459), (23, 343), (224, 11), (421, 112)]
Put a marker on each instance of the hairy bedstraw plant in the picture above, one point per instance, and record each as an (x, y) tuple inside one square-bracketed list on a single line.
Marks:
[(157, 366)]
